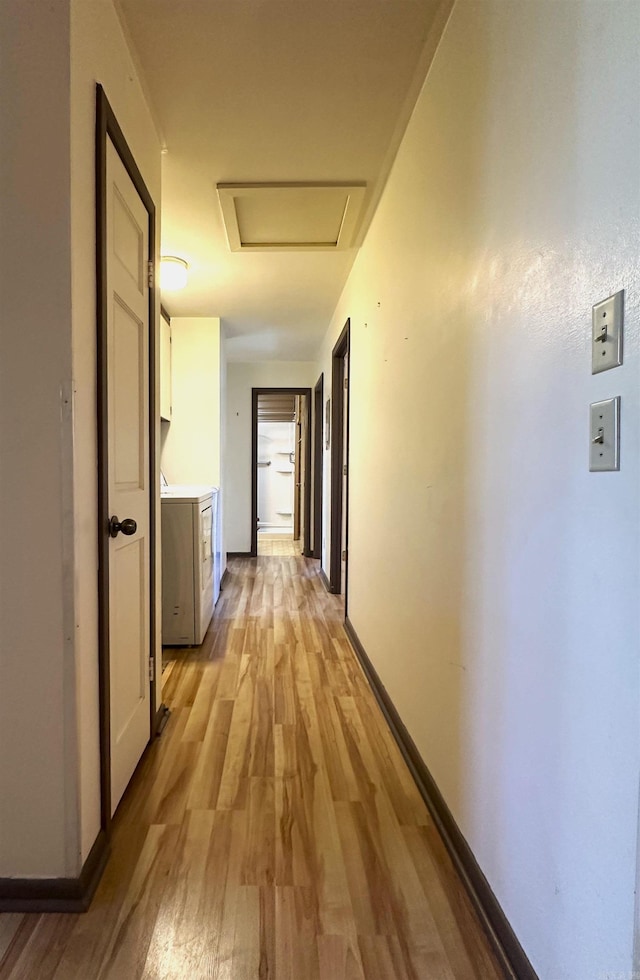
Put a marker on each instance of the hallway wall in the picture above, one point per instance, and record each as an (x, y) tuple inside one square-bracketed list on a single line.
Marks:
[(192, 442), (191, 450), (241, 378), (498, 597), (36, 586)]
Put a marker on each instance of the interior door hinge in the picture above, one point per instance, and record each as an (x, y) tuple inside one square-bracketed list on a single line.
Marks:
[(344, 470), (346, 382), (152, 668), (150, 273), (344, 555)]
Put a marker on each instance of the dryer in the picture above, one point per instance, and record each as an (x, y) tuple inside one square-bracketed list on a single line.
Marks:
[(189, 518)]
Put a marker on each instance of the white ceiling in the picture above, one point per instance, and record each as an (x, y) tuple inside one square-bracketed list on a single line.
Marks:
[(273, 91)]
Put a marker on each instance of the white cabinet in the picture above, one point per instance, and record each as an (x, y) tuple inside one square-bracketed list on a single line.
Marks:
[(165, 369)]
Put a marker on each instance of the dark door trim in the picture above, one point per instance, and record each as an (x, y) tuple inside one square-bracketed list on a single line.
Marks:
[(107, 127), (337, 455), (318, 416), (254, 466)]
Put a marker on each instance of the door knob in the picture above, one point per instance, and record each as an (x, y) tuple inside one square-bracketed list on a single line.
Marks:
[(128, 526)]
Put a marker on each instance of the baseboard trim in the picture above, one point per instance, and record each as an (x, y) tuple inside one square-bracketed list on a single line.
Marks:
[(510, 953), (238, 554), (57, 894), (324, 580)]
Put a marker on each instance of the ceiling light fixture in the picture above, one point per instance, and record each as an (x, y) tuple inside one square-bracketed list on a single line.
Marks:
[(173, 272)]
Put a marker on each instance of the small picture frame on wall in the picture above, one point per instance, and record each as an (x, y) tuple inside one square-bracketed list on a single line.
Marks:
[(327, 424)]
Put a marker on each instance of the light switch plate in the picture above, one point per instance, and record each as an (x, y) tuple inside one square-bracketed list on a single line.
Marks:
[(604, 435), (606, 333)]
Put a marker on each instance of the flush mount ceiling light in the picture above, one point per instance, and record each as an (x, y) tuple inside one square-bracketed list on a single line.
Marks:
[(173, 272), (290, 217)]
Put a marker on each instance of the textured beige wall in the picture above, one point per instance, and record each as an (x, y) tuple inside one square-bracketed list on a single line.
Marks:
[(191, 449), (492, 579)]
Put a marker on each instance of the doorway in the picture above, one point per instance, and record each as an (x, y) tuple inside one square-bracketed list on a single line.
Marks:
[(318, 416), (281, 466), (125, 237), (339, 555)]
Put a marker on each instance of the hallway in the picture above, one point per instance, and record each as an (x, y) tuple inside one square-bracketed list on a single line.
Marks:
[(273, 831)]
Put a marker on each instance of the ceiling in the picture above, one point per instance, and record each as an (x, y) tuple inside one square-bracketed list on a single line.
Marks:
[(273, 91)]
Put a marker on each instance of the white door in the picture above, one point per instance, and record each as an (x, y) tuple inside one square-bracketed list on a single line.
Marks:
[(128, 462)]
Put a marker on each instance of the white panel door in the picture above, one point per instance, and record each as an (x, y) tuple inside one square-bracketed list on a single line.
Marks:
[(128, 462)]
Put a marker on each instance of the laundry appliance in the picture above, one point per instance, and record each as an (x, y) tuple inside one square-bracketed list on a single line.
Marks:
[(190, 572)]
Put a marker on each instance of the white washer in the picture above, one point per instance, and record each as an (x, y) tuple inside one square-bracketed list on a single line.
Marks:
[(189, 516)]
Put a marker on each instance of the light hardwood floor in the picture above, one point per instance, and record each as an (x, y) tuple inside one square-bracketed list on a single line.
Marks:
[(273, 832)]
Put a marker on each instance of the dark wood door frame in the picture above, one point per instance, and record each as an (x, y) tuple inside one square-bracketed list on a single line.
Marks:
[(318, 418), (107, 127), (306, 392), (339, 452)]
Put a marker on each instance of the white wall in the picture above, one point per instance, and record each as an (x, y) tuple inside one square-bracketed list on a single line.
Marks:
[(192, 440), (191, 449), (241, 378), (223, 445), (508, 637), (36, 588), (98, 54)]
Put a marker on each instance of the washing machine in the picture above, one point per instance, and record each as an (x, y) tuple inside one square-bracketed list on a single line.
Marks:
[(189, 573)]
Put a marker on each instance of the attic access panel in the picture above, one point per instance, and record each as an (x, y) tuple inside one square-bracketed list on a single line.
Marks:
[(290, 217)]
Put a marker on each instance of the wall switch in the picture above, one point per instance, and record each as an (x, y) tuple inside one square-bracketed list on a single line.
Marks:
[(606, 333), (604, 435)]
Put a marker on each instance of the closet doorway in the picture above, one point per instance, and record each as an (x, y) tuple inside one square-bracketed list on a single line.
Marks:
[(339, 553), (281, 470)]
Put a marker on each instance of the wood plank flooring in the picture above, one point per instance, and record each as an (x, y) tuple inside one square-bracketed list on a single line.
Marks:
[(273, 832)]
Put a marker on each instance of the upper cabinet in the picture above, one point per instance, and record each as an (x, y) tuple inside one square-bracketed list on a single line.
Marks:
[(165, 368)]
